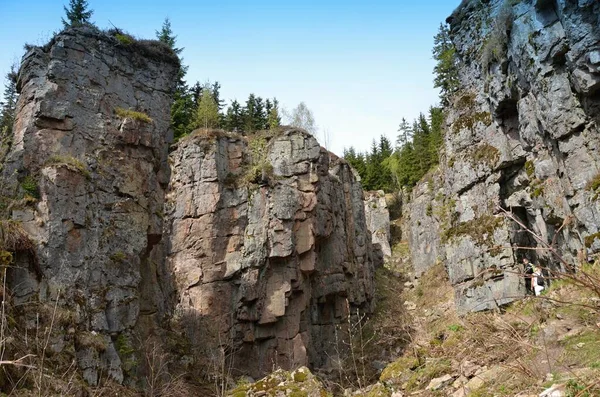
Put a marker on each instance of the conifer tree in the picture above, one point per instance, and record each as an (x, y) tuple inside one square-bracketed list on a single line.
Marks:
[(9, 103), (273, 118), (249, 113), (165, 35), (234, 119), (77, 14), (445, 70), (184, 108)]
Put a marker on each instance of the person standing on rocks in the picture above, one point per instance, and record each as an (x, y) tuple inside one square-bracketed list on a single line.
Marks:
[(537, 280), (529, 285)]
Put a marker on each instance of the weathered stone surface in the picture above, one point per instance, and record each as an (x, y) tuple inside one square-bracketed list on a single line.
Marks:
[(269, 270), (521, 134), (101, 181), (378, 221)]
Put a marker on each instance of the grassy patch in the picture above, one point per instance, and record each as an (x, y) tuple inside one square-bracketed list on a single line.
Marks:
[(69, 162), (13, 237), (132, 114)]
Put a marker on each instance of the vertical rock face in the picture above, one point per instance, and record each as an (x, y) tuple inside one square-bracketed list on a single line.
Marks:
[(522, 134), (264, 254), (268, 272), (378, 221), (100, 175)]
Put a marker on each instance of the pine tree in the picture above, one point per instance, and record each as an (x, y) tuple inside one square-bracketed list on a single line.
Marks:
[(77, 14), (273, 118), (260, 116), (249, 113), (405, 135), (207, 115), (356, 160), (445, 70), (165, 35), (9, 103), (234, 119), (184, 108)]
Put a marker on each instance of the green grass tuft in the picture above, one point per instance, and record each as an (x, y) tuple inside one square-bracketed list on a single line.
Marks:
[(132, 114)]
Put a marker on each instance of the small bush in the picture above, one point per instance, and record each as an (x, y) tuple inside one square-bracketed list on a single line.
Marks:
[(124, 39), (29, 184), (132, 114)]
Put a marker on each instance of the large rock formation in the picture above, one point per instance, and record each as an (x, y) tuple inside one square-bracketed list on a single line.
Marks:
[(522, 134), (100, 174), (378, 221), (269, 247), (264, 254)]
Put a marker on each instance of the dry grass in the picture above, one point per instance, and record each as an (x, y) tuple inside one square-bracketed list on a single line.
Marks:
[(132, 114), (70, 162)]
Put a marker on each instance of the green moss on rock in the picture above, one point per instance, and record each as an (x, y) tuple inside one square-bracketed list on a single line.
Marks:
[(480, 229)]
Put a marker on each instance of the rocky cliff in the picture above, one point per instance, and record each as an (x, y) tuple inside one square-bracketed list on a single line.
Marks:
[(250, 251), (269, 247), (522, 135)]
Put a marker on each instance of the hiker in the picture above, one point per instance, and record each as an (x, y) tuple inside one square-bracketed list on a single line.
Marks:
[(528, 275), (537, 281)]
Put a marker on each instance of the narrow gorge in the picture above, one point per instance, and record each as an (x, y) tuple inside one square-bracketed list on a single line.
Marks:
[(199, 264)]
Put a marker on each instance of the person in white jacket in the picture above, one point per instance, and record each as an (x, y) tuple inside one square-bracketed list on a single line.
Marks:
[(537, 280)]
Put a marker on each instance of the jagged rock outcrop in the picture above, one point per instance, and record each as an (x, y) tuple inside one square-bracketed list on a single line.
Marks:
[(269, 248), (521, 134), (251, 251), (100, 175), (378, 221)]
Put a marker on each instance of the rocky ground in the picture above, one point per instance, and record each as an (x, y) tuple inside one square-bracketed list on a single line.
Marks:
[(539, 346)]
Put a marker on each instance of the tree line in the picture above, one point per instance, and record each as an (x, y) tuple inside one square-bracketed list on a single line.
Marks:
[(194, 106), (418, 144), (387, 167)]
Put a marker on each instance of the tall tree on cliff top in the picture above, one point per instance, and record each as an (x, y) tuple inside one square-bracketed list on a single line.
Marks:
[(77, 14), (165, 35), (207, 115), (302, 117), (9, 103), (183, 109), (445, 70)]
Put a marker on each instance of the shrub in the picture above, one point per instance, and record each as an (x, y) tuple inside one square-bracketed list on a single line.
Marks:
[(132, 114), (152, 49), (260, 169), (29, 184)]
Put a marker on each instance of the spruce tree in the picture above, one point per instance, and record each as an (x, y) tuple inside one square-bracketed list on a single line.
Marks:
[(249, 114), (165, 35), (273, 118), (234, 120), (77, 14), (445, 70), (9, 103), (184, 108)]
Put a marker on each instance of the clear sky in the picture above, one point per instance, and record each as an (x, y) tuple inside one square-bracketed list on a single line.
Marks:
[(360, 66)]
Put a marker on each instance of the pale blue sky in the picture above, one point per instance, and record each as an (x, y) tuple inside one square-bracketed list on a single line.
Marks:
[(360, 66)]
